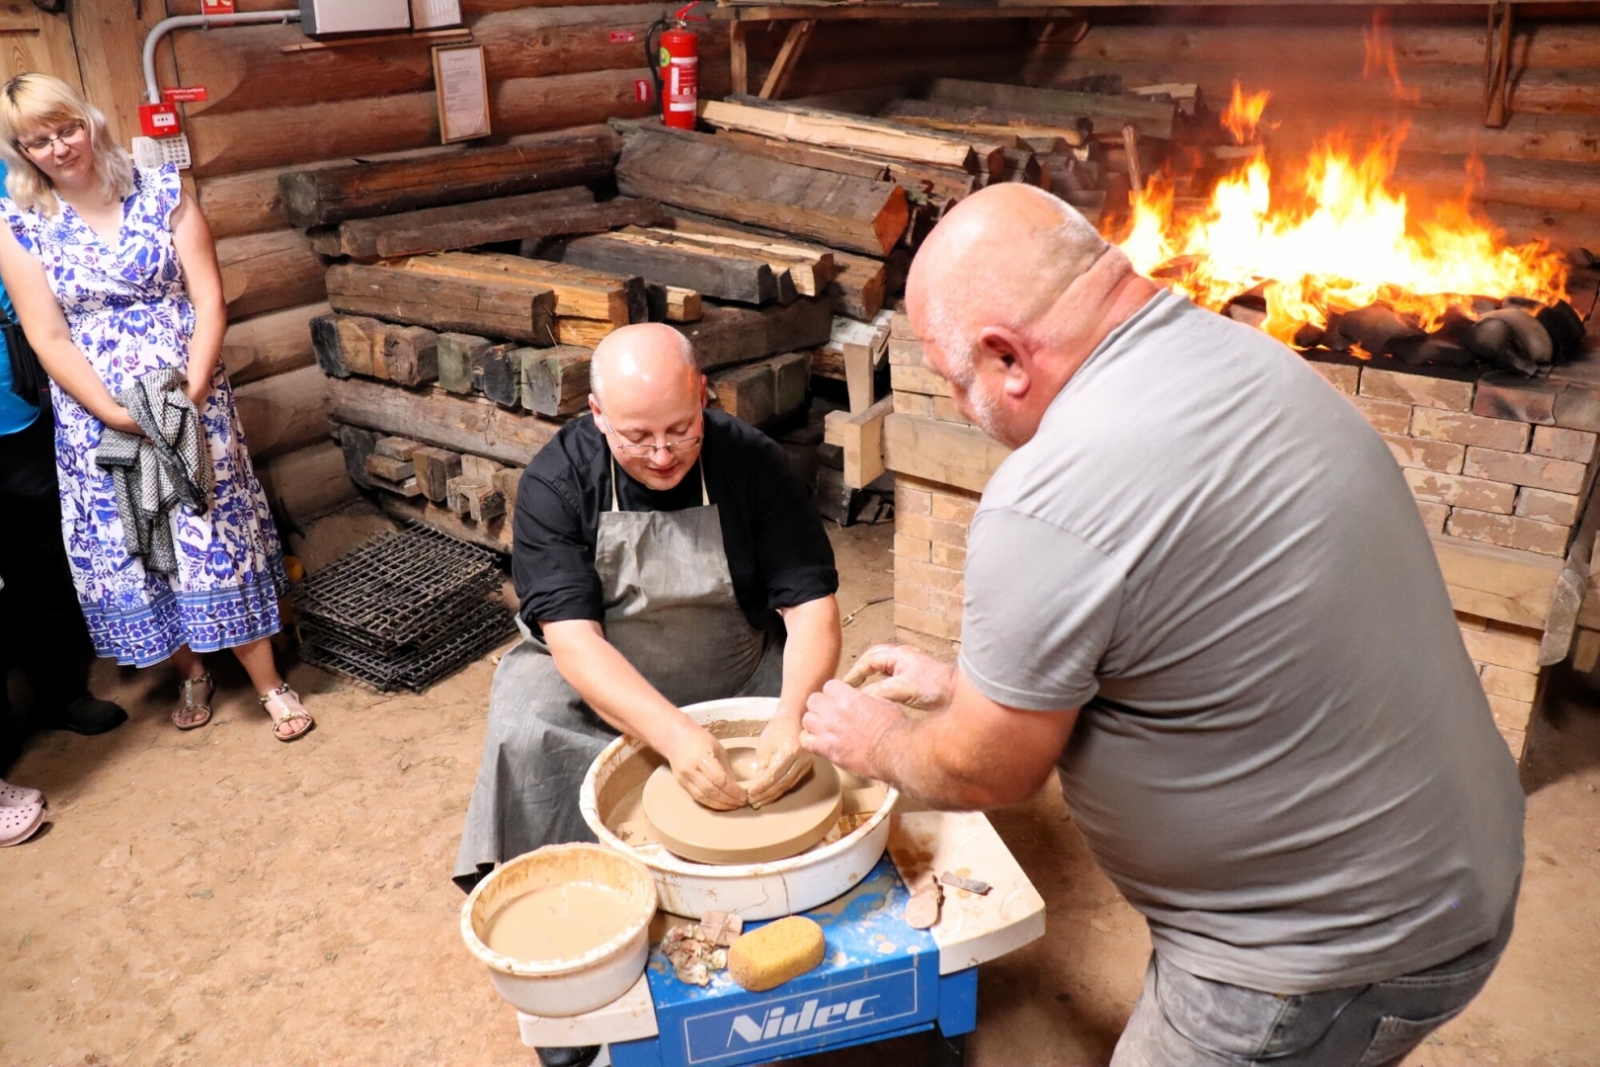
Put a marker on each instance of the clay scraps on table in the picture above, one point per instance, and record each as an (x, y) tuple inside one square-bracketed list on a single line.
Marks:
[(693, 959)]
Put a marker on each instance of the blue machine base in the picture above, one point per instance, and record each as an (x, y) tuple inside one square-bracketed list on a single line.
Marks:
[(879, 980)]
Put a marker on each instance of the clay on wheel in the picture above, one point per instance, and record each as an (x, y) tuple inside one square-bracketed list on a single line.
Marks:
[(786, 827)]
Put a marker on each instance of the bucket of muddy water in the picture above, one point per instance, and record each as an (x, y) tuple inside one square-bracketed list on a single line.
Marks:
[(564, 929)]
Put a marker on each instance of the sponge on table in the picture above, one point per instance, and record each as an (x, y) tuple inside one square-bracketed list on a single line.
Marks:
[(768, 957)]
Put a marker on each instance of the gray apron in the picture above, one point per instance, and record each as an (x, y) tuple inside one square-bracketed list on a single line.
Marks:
[(670, 609)]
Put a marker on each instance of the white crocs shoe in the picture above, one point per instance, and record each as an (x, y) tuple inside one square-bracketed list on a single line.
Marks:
[(19, 824), (14, 796)]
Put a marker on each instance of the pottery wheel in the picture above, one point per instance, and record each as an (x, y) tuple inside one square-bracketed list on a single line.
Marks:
[(786, 827)]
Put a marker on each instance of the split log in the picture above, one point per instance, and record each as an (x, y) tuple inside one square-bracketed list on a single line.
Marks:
[(555, 381), (479, 468), (729, 275), (668, 303), (284, 412), (502, 309), (728, 335), (441, 420), (992, 122), (307, 482), (529, 217), (461, 361), (269, 344), (360, 345), (811, 268), (872, 137), (579, 293), (335, 194), (840, 210), (435, 467), (268, 271), (858, 285), (1106, 112), (805, 155), (494, 535)]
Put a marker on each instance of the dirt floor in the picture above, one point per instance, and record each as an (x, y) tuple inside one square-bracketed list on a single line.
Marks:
[(218, 897)]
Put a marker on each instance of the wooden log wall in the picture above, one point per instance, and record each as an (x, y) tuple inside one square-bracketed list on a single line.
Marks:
[(1537, 171)]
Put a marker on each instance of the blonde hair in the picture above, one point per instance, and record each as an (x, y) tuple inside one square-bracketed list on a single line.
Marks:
[(32, 100)]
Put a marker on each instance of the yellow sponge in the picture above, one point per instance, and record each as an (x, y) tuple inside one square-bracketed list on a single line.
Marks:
[(768, 957)]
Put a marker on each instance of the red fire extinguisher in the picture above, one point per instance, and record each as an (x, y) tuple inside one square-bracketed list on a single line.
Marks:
[(673, 53)]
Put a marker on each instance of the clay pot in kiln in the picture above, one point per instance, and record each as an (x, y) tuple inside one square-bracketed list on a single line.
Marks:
[(752, 891), (594, 977)]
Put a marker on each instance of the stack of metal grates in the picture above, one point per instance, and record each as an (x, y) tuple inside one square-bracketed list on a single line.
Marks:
[(404, 610)]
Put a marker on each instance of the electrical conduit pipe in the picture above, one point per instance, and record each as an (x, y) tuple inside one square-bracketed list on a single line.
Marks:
[(166, 26)]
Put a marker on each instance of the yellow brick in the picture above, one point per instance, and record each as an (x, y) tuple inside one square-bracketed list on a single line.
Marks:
[(948, 556), (925, 574), (915, 548), (1438, 456), (1516, 651), (1434, 516), (1341, 376), (1505, 682), (910, 594), (1510, 714), (1385, 415), (909, 501), (946, 602), (1517, 741), (1559, 443), (927, 622), (1462, 492), (1508, 531), (917, 380), (1541, 504), (1418, 389), (954, 508), (938, 647), (945, 410), (930, 529), (1433, 424), (1541, 472)]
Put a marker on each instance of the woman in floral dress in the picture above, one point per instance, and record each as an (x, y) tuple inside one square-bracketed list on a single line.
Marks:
[(113, 274)]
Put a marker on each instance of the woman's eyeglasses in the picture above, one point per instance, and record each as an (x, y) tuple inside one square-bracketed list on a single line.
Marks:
[(66, 135)]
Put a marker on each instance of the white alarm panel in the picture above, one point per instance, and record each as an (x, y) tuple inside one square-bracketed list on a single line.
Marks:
[(319, 17)]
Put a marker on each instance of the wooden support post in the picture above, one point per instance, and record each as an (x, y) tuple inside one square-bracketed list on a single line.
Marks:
[(858, 367), (739, 57), (788, 55), (861, 438)]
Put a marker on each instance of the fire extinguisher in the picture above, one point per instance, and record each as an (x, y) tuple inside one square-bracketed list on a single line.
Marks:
[(672, 51)]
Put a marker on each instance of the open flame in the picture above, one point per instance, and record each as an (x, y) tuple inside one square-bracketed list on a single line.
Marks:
[(1329, 236)]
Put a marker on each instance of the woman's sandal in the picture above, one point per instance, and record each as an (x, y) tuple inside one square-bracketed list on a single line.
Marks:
[(195, 711), (283, 704)]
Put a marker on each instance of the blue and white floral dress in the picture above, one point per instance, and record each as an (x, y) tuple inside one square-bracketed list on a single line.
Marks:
[(129, 314)]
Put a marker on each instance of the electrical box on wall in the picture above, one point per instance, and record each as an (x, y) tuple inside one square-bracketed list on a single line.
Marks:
[(319, 17)]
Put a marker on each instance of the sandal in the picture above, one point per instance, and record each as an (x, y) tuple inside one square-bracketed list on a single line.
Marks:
[(19, 824), (14, 796), (283, 704), (195, 711)]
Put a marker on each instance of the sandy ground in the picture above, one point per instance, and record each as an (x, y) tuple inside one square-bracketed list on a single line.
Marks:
[(218, 897)]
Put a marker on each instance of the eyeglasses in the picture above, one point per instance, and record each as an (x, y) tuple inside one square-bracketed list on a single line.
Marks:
[(677, 446), (66, 134)]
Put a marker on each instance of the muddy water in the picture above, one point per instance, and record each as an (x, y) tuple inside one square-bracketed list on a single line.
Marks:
[(558, 922)]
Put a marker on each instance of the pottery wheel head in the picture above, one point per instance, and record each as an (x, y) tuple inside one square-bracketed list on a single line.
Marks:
[(786, 827)]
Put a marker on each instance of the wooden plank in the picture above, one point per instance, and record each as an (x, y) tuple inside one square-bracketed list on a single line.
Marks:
[(725, 275), (113, 74), (555, 381), (532, 216), (807, 156), (838, 209), (810, 267), (1108, 113), (993, 123), (729, 335), (496, 308), (1498, 583), (854, 133), (579, 293), (943, 452), (264, 272), (335, 194), (284, 412), (269, 344), (861, 438), (794, 45), (439, 419)]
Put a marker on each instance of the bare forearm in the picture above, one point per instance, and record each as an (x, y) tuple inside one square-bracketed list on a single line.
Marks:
[(612, 686), (811, 655), (68, 368), (205, 346)]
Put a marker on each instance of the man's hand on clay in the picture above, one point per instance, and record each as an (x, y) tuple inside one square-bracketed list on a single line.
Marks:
[(912, 677), (848, 727), (700, 764), (781, 759)]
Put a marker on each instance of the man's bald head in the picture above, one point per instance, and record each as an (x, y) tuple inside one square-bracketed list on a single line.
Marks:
[(1001, 257), (647, 361)]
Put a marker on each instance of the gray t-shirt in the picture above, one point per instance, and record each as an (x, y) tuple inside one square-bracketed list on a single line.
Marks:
[(1284, 758)]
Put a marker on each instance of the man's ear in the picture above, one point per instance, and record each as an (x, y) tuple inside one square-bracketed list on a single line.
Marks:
[(702, 391), (1008, 357), (594, 406)]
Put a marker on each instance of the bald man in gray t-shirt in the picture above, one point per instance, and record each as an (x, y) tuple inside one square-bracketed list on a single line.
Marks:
[(1201, 589)]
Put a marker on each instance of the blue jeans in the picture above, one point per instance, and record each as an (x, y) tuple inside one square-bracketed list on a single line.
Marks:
[(1183, 1020)]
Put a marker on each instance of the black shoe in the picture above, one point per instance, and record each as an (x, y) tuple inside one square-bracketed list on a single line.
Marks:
[(581, 1056), (87, 715)]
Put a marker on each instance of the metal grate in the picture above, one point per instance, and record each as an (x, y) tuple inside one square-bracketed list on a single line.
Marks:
[(403, 610)]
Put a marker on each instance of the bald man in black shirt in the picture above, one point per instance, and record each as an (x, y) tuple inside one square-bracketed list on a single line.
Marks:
[(664, 555)]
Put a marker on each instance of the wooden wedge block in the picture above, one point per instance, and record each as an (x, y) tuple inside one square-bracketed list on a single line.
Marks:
[(435, 467), (357, 444), (555, 381), (861, 438), (326, 347)]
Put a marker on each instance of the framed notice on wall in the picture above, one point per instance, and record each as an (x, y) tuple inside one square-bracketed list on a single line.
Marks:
[(463, 90), (435, 14)]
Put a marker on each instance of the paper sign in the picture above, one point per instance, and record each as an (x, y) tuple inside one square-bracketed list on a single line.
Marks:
[(216, 7), (187, 94), (623, 37), (433, 14), (463, 90), (641, 90)]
